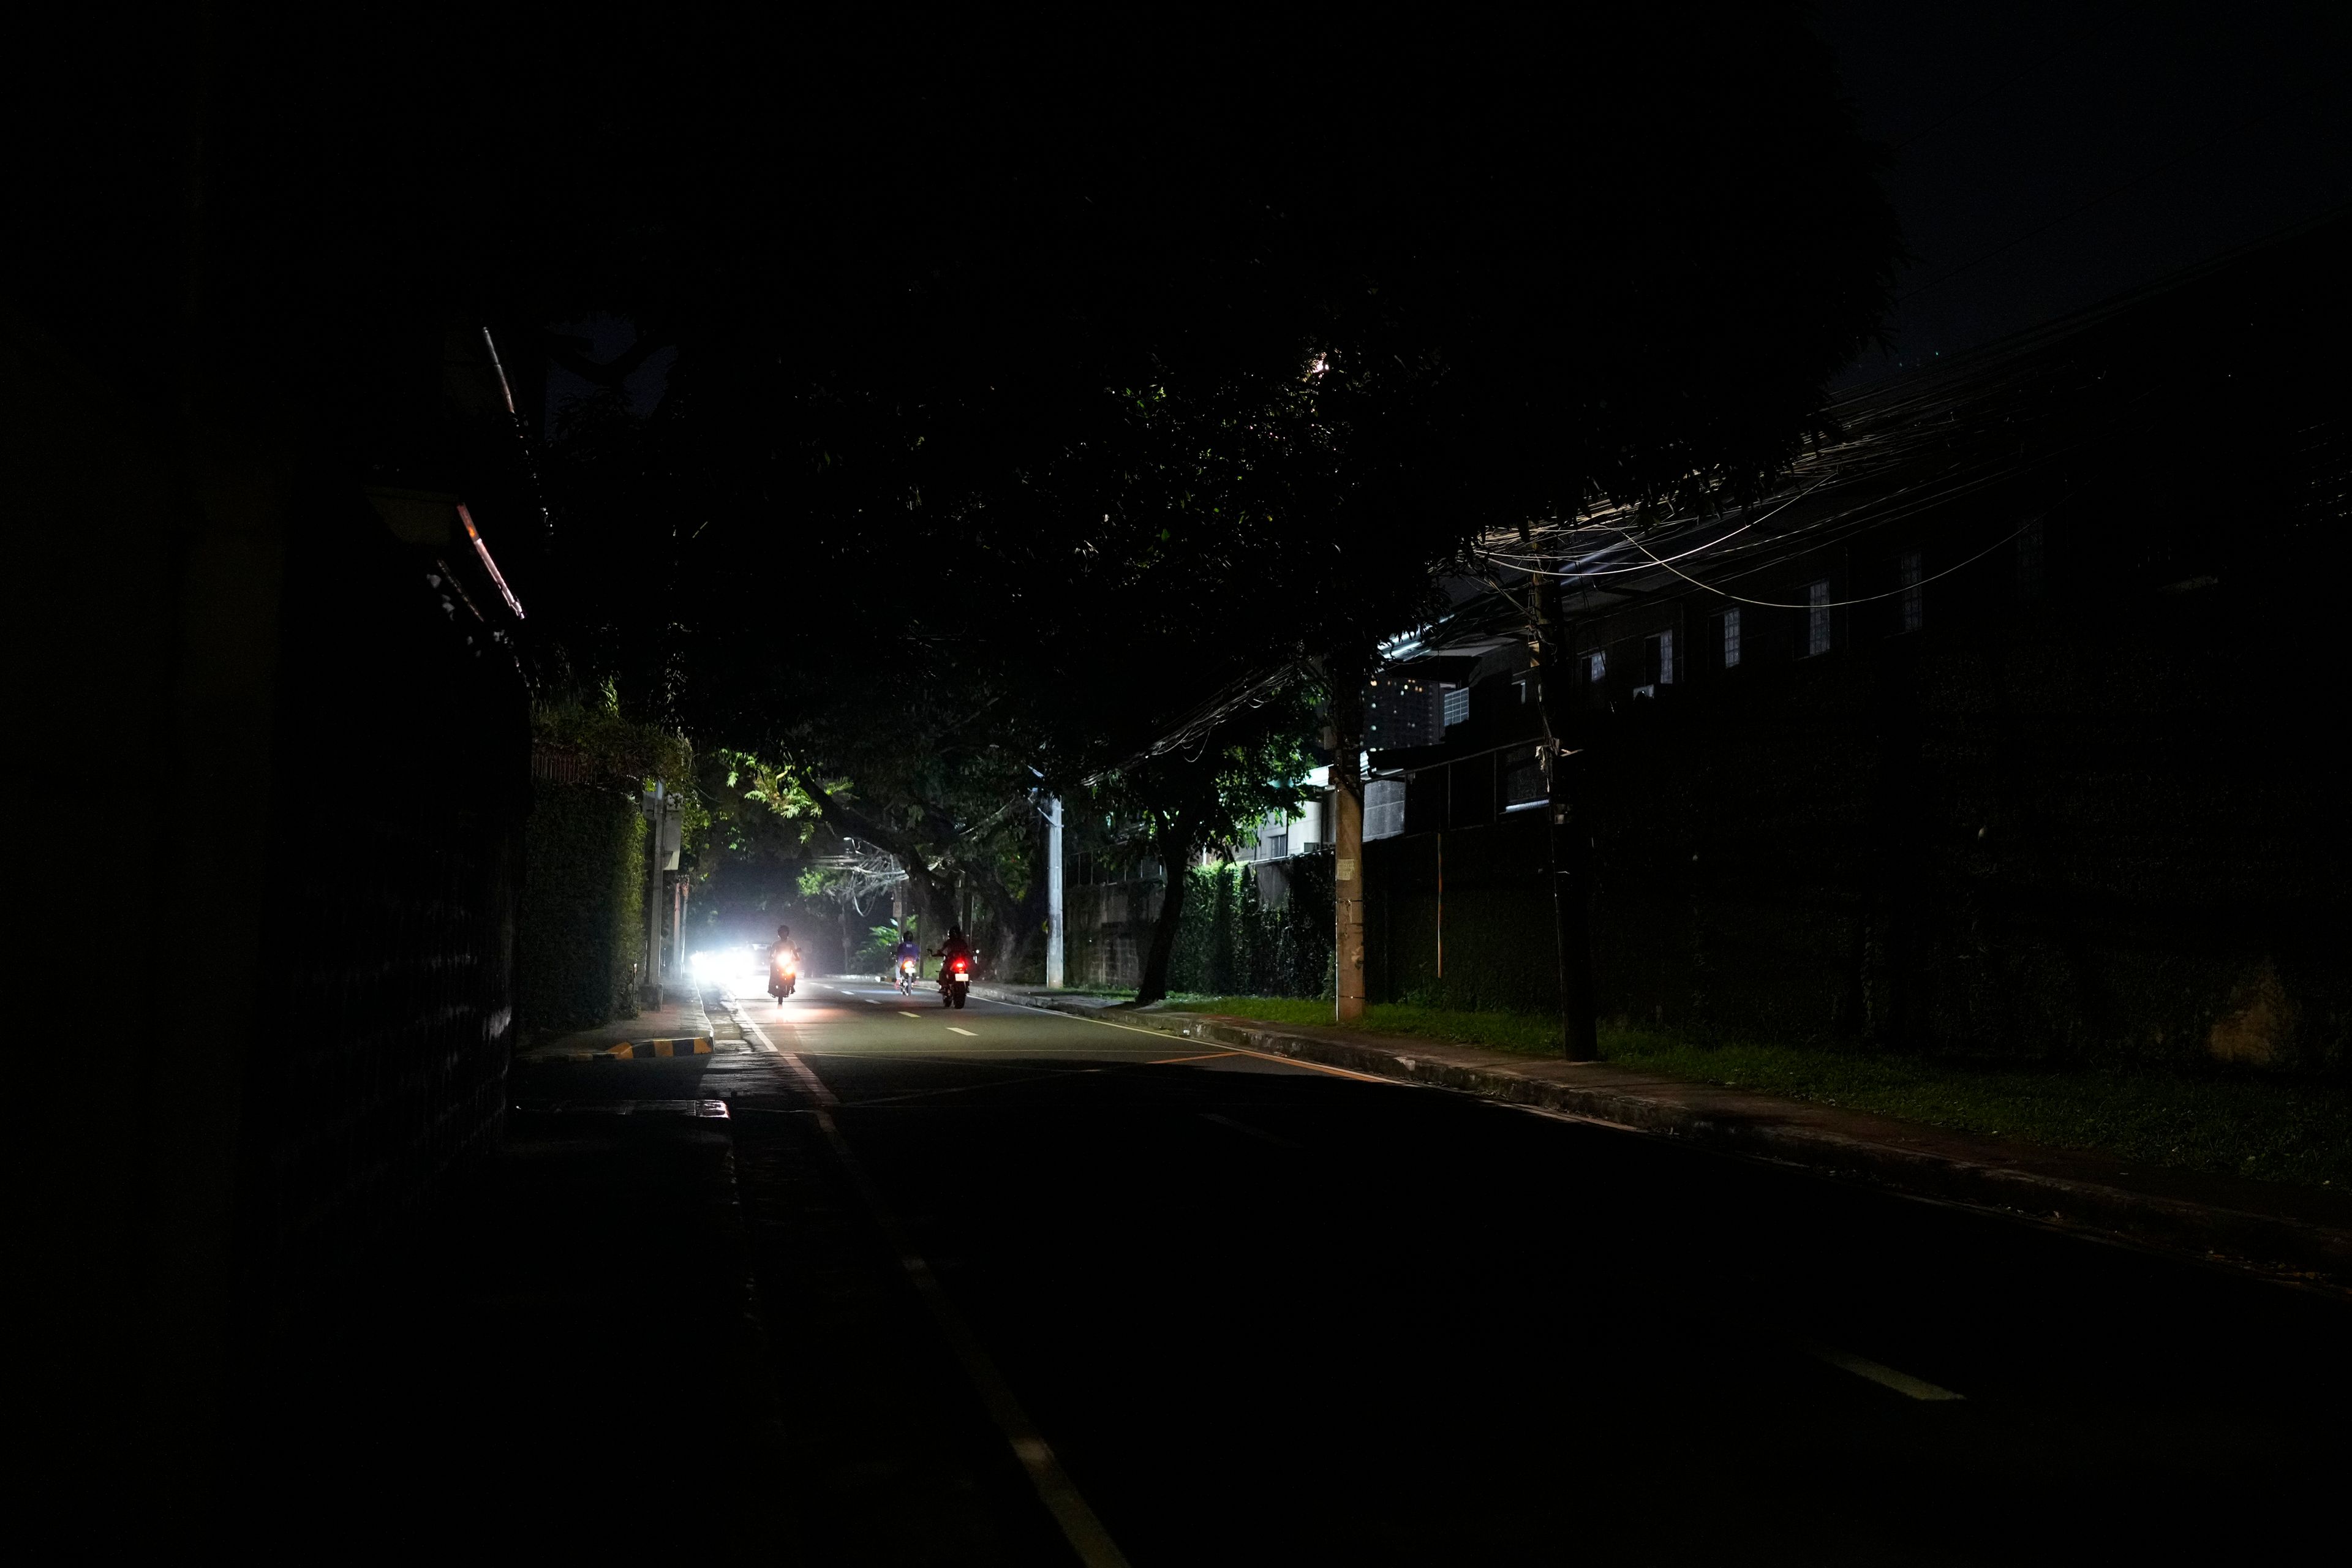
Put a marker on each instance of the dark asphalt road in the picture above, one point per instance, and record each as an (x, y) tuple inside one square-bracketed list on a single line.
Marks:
[(1266, 1313)]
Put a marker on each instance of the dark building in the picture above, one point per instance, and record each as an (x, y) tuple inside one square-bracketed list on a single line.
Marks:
[(2009, 723), (281, 635), (1403, 710)]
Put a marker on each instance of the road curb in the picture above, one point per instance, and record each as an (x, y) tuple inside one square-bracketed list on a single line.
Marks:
[(2275, 1244), (632, 1051)]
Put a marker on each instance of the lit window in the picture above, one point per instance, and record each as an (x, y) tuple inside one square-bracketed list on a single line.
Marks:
[(1817, 618), (1457, 705), (1913, 600), (1731, 638), (1596, 666)]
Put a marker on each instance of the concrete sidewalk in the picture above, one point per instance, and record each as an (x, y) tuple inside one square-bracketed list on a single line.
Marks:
[(674, 1028), (2298, 1233)]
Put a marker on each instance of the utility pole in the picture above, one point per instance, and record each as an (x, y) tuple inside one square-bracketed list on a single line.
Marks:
[(1057, 953), (1567, 859), (1347, 737)]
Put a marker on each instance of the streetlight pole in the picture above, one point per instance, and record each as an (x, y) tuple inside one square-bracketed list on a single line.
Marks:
[(1057, 952)]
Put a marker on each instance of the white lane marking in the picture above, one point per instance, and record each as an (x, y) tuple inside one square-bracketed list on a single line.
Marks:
[(1902, 1382), (809, 1080), (1079, 1525), (793, 1063), (904, 1013), (760, 1041), (1245, 1050), (953, 1030)]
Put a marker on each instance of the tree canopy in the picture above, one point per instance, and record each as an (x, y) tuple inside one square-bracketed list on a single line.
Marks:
[(1038, 391)]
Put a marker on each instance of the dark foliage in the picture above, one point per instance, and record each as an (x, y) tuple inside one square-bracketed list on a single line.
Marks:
[(1233, 944), (582, 928)]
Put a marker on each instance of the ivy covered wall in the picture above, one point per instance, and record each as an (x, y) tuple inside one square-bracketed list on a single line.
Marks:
[(583, 913)]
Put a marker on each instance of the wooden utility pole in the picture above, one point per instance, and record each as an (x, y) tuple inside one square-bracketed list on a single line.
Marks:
[(1347, 837), (1568, 839)]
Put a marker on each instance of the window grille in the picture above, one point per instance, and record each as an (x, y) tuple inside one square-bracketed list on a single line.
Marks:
[(1913, 599), (1384, 808), (1457, 705), (1658, 659), (1731, 638), (1817, 618), (1596, 664)]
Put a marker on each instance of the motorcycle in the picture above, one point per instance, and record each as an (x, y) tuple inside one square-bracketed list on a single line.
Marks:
[(908, 972), (784, 973), (955, 979)]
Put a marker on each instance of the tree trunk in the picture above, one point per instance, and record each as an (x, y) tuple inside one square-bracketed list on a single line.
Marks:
[(1175, 850), (1162, 951), (1014, 923)]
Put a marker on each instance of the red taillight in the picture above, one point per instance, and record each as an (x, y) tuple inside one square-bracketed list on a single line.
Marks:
[(958, 969)]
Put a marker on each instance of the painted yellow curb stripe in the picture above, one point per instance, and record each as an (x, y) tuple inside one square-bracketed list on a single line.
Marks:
[(642, 1050)]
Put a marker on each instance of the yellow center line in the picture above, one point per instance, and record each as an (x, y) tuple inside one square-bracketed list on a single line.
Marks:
[(1171, 1061)]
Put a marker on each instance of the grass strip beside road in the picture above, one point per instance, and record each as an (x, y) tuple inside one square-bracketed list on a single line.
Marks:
[(2270, 1128)]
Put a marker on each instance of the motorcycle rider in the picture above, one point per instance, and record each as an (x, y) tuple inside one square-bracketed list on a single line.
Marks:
[(776, 959), (907, 948), (955, 945)]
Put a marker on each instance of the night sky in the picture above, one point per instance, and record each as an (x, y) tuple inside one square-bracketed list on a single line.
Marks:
[(2046, 157), (2102, 145)]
